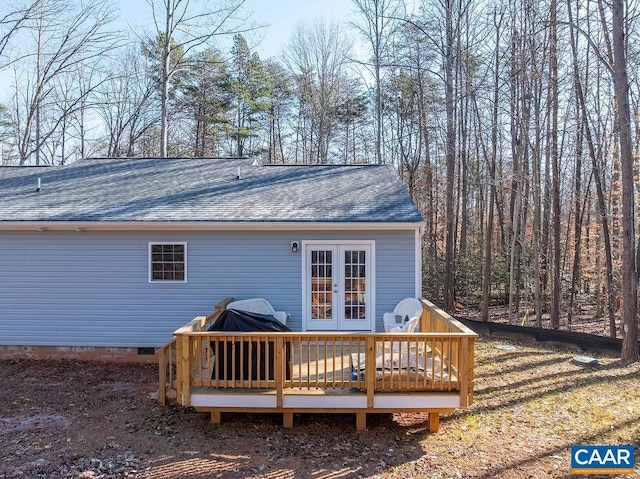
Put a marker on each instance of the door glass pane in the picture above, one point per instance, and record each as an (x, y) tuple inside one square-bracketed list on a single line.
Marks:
[(354, 284), (321, 285)]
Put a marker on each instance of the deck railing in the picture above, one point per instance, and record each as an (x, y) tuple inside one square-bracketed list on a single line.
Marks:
[(439, 360), (168, 363), (167, 372)]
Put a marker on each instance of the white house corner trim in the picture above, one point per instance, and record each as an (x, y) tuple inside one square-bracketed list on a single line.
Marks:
[(418, 255), (303, 281)]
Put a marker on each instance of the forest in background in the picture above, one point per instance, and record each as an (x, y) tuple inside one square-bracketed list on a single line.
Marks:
[(505, 119)]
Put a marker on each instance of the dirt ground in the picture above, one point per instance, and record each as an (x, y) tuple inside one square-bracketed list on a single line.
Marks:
[(67, 419)]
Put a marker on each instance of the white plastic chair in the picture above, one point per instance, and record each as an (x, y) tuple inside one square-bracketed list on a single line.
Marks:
[(409, 327), (405, 310), (401, 348)]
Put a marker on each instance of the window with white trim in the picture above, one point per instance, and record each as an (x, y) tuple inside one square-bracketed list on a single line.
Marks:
[(168, 262)]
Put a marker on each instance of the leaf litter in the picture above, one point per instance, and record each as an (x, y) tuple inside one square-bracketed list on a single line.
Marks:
[(70, 419)]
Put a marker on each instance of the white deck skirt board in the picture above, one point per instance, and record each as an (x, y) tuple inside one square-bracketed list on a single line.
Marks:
[(325, 401), (233, 400), (300, 401), (400, 401)]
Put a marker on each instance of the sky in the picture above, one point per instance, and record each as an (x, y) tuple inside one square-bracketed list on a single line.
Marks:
[(284, 15), (281, 17)]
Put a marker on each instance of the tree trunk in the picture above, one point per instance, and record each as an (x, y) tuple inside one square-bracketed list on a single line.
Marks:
[(597, 175), (450, 160), (629, 285), (166, 78), (555, 165), (577, 223), (486, 267)]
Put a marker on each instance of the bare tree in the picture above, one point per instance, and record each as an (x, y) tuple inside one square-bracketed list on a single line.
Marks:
[(442, 21), (124, 104), (318, 56), (411, 103), (491, 160), (448, 51), (378, 25), (629, 274), (280, 107), (65, 39), (182, 27), (14, 19), (555, 160)]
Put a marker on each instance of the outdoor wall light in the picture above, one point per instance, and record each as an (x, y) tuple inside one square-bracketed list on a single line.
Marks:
[(294, 246)]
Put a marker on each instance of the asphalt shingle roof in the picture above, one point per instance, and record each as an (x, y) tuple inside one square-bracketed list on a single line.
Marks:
[(203, 189)]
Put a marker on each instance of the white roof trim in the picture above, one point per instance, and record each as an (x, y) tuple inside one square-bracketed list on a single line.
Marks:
[(201, 226)]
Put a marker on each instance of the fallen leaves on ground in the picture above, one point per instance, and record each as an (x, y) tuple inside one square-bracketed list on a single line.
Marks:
[(68, 419)]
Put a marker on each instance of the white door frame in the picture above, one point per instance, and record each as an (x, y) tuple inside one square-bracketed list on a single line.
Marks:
[(370, 278)]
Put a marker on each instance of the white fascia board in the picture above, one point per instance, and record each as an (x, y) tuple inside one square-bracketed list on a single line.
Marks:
[(202, 226), (418, 261)]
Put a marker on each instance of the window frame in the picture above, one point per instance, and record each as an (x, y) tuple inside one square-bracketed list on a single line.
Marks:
[(150, 263)]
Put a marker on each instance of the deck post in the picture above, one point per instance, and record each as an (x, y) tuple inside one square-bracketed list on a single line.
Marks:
[(463, 372), (434, 421), (216, 416), (162, 378), (361, 421), (470, 370), (185, 396), (178, 369), (425, 318), (287, 420), (280, 365), (370, 369)]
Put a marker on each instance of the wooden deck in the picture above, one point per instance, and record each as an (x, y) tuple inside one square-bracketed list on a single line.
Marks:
[(321, 372)]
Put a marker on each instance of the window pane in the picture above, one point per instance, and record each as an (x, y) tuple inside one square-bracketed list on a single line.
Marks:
[(168, 262)]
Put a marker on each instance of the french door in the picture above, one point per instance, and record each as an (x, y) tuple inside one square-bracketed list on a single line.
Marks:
[(338, 285)]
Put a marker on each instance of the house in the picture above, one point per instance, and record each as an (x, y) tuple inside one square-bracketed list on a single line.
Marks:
[(108, 257)]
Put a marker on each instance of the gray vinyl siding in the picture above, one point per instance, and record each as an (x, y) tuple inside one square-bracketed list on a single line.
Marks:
[(93, 289)]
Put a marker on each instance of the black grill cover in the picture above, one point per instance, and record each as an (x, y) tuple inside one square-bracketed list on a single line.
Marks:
[(236, 320), (234, 357)]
